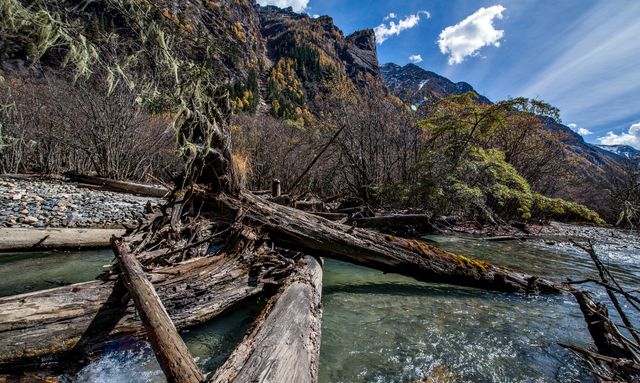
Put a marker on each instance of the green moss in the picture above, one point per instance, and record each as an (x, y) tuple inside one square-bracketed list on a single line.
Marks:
[(472, 263)]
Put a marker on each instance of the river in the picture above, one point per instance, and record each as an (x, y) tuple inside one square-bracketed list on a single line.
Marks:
[(383, 327)]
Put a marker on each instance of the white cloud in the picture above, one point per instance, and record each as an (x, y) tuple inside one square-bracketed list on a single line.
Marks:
[(631, 138), (390, 16), (383, 32), (468, 36), (415, 59), (297, 5), (580, 131)]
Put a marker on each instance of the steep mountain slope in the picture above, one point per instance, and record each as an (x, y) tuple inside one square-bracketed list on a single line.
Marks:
[(308, 57)]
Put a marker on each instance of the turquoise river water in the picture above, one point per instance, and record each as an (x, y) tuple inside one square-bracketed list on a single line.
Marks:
[(382, 327)]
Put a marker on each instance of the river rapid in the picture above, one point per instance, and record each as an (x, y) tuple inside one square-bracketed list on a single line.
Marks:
[(387, 328)]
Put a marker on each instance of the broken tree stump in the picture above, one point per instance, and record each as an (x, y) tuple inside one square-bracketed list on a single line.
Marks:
[(276, 190)]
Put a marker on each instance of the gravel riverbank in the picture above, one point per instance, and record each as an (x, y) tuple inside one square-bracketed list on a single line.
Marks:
[(55, 203)]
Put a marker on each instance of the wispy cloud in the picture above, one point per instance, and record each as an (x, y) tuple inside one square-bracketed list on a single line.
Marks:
[(297, 5), (390, 16), (580, 131), (631, 138), (593, 70), (471, 34), (415, 59), (384, 31)]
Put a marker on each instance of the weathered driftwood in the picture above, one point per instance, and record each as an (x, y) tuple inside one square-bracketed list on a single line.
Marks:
[(24, 239), (170, 350), (284, 343), (122, 186), (603, 332), (305, 232), (83, 316), (617, 358), (310, 206)]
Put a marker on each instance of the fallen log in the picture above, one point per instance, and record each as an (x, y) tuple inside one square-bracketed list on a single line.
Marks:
[(171, 351), (20, 239), (79, 318), (295, 229), (121, 186), (284, 343)]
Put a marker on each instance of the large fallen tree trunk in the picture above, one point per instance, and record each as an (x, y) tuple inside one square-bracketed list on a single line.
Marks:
[(284, 343), (421, 222), (306, 232), (83, 316)]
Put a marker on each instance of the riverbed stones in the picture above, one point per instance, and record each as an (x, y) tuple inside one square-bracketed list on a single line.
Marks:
[(55, 203)]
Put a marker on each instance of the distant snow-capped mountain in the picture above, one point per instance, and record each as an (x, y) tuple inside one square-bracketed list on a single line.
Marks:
[(413, 84), (622, 150)]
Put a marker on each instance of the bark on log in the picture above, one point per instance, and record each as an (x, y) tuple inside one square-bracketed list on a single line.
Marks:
[(122, 186), (172, 353), (20, 239), (81, 317), (284, 344), (305, 232)]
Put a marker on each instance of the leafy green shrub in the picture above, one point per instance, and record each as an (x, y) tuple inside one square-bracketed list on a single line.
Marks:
[(560, 209)]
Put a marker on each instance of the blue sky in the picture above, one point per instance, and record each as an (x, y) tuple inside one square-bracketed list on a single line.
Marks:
[(582, 56)]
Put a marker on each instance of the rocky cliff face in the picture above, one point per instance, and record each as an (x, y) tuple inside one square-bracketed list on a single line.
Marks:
[(307, 56)]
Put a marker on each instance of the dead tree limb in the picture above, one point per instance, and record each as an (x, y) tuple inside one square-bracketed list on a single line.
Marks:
[(607, 279), (618, 357), (170, 350), (602, 330), (313, 162), (284, 343)]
